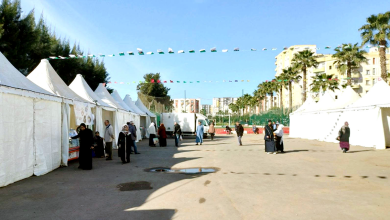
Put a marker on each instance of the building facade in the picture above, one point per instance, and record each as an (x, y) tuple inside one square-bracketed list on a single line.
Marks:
[(363, 78), (208, 109), (186, 105), (222, 105)]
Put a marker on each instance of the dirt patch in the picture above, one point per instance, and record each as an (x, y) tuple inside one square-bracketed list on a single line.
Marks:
[(133, 186)]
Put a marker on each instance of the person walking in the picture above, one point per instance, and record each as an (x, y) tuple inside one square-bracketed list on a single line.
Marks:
[(212, 130), (199, 133), (152, 134), (86, 145), (177, 133), (98, 145), (162, 135), (124, 144), (343, 137), (269, 138), (133, 132), (279, 138), (228, 130), (108, 138), (240, 132), (254, 129)]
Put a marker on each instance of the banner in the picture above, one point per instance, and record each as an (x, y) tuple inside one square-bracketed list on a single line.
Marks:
[(83, 114)]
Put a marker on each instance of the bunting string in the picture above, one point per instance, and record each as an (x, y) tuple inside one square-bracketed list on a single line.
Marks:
[(170, 51)]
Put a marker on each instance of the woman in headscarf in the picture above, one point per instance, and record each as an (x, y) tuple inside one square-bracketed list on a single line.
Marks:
[(343, 137), (86, 145), (212, 130), (99, 145), (162, 135), (269, 138), (279, 138), (124, 144), (152, 134)]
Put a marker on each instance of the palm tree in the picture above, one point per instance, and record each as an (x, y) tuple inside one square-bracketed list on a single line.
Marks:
[(260, 94), (303, 60), (270, 88), (377, 32), (324, 82), (291, 75), (349, 57), (252, 103), (280, 84)]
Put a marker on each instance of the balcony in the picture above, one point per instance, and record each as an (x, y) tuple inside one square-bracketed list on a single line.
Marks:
[(355, 86), (318, 70)]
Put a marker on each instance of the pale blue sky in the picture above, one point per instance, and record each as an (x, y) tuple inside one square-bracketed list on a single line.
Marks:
[(120, 25)]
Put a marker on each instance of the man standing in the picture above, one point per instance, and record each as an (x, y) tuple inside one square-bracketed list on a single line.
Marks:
[(199, 133), (274, 126), (133, 131), (240, 132), (108, 138), (177, 133)]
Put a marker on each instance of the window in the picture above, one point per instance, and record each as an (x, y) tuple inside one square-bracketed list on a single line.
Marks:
[(330, 67), (367, 72), (373, 82), (366, 91), (373, 61), (373, 71), (367, 82)]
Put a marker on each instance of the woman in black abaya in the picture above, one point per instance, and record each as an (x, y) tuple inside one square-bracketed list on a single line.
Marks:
[(86, 145), (269, 139)]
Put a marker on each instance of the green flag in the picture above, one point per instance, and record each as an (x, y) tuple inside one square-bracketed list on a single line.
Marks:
[(121, 53), (202, 50), (191, 51), (130, 53), (214, 49), (159, 51), (253, 49), (198, 81), (178, 81)]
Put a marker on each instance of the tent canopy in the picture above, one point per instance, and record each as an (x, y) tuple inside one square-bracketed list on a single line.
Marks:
[(309, 101), (10, 76), (81, 87), (377, 96), (141, 106), (325, 101), (347, 97), (47, 78), (119, 100), (129, 102), (105, 96)]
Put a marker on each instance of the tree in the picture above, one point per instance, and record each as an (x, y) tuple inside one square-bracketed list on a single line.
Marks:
[(203, 111), (260, 94), (270, 88), (280, 82), (303, 60), (324, 82), (377, 32), (291, 75), (234, 107), (348, 58), (155, 90)]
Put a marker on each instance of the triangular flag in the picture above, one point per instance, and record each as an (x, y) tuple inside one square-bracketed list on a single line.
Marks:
[(158, 81), (264, 49), (253, 49), (159, 51), (180, 51), (178, 81), (91, 55), (141, 53), (115, 82), (133, 81), (236, 49), (247, 80), (120, 54), (191, 51), (230, 81), (242, 80), (152, 81), (102, 55), (190, 81), (130, 52), (202, 50), (273, 48), (150, 53), (111, 55), (198, 81), (285, 48), (327, 47), (165, 81), (235, 80), (109, 82), (184, 82), (224, 50), (140, 81), (214, 49), (72, 55), (170, 81), (170, 50)]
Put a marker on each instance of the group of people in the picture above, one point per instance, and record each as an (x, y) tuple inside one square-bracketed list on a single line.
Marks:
[(101, 146), (273, 136)]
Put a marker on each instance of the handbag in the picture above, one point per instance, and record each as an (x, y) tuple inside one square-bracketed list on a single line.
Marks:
[(155, 140), (181, 138)]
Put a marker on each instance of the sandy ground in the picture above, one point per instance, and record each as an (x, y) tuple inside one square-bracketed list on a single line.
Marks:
[(312, 180)]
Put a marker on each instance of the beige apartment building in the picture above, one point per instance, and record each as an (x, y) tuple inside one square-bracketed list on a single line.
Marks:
[(363, 78)]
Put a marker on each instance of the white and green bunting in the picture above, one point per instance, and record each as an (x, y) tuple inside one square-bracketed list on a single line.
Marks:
[(121, 53), (236, 49), (214, 49), (130, 53), (170, 50), (202, 50), (150, 53), (253, 49), (159, 51), (180, 51), (224, 50), (191, 51), (264, 49)]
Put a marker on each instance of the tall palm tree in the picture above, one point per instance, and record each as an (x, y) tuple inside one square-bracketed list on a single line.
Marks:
[(261, 95), (280, 84), (324, 82), (377, 32), (270, 88), (291, 75), (304, 60), (348, 58)]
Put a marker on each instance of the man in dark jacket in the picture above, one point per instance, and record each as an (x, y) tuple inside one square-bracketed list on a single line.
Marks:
[(240, 132), (133, 131), (176, 134)]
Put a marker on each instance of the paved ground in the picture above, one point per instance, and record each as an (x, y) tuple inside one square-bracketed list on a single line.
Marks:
[(313, 180)]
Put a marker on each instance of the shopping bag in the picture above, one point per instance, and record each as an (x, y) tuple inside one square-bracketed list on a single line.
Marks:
[(155, 140), (181, 138)]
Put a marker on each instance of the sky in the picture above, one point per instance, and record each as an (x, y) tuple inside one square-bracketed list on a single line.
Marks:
[(110, 27)]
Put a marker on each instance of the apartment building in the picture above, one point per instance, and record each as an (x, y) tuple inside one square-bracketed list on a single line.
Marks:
[(208, 109), (222, 104), (186, 105)]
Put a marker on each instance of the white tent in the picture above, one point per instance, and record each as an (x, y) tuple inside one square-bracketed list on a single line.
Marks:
[(150, 119), (141, 121), (131, 115), (47, 78), (119, 117), (369, 118), (81, 88), (30, 127)]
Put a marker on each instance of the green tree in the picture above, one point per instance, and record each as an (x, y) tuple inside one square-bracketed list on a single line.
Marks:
[(304, 60), (377, 32), (348, 58), (203, 111), (324, 82), (234, 107), (280, 83), (270, 87), (260, 94), (155, 90), (291, 75)]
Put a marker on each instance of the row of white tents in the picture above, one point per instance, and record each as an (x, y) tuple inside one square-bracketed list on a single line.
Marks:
[(38, 111), (368, 117)]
